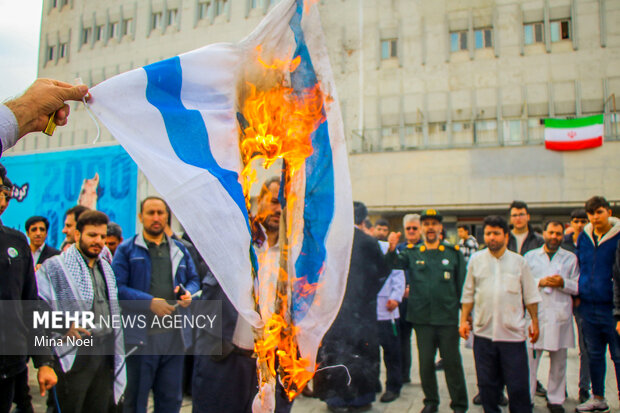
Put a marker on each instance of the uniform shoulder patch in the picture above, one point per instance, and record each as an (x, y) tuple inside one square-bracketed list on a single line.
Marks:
[(441, 248), (410, 245), (422, 248), (457, 247)]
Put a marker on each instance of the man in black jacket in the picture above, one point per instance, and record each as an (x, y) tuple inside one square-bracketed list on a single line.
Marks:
[(17, 284), (36, 229), (522, 238), (352, 339)]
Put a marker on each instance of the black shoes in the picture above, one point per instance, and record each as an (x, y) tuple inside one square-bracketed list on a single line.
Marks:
[(555, 408), (439, 365), (364, 408), (429, 408), (502, 402), (389, 396), (540, 390)]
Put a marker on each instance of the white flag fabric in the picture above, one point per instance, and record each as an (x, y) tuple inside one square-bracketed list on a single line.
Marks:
[(178, 120)]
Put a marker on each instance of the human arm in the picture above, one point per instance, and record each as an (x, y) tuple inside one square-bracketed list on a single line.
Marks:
[(122, 268), (533, 329), (460, 273), (46, 378), (571, 280), (44, 97), (465, 326), (616, 280)]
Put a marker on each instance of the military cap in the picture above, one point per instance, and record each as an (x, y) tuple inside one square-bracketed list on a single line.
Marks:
[(431, 213)]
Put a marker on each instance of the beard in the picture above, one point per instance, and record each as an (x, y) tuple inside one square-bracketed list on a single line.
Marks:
[(84, 248), (495, 246), (552, 245), (154, 232), (271, 224)]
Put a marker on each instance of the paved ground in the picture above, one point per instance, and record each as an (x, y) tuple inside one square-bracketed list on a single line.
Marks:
[(411, 395)]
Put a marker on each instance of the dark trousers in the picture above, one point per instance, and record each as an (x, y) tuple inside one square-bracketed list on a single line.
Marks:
[(158, 367), (87, 386), (584, 361), (390, 342), (499, 363), (599, 328), (6, 394), (406, 328), (446, 339), (22, 397), (229, 385)]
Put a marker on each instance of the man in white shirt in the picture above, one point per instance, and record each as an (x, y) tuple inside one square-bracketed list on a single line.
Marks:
[(556, 272), (499, 284)]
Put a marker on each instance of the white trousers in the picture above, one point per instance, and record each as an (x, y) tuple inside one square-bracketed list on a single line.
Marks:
[(556, 387)]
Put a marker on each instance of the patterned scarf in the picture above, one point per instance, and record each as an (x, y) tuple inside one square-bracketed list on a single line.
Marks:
[(65, 283)]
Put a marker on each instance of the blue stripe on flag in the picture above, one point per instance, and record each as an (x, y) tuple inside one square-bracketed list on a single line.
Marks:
[(319, 196), (186, 128)]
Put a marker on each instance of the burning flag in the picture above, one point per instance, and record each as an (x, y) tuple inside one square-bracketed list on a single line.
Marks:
[(196, 123)]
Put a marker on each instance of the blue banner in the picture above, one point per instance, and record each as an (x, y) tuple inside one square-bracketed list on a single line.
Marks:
[(48, 184)]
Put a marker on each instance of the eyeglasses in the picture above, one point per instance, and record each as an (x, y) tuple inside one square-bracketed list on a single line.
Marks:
[(412, 228), (522, 214)]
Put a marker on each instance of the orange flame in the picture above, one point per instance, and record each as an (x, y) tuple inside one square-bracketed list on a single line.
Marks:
[(278, 123)]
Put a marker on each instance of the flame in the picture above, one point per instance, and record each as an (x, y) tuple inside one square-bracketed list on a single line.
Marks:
[(278, 123)]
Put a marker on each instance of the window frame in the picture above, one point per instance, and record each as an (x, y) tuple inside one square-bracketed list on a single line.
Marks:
[(389, 48), (560, 24), (487, 41), (157, 19), (534, 25), (461, 38)]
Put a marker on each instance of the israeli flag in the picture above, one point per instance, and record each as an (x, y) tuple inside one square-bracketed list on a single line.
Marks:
[(177, 119)]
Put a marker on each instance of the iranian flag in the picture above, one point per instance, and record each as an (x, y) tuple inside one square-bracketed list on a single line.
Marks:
[(574, 134)]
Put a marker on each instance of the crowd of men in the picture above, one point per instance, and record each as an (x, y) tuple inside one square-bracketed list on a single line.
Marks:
[(513, 299)]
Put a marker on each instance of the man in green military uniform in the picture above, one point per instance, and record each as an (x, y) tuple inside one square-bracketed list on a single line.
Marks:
[(437, 270)]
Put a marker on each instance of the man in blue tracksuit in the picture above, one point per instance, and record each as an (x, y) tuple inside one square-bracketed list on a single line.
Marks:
[(149, 268), (596, 247)]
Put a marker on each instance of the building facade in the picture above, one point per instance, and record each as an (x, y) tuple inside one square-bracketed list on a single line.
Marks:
[(443, 101)]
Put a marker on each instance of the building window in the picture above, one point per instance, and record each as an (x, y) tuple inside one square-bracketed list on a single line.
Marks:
[(86, 35), (560, 30), (534, 33), (173, 15), (460, 126), (63, 3), (458, 41), (483, 38), (220, 7), (127, 26), (389, 130), (98, 33), (156, 20), (512, 130), (254, 4), (54, 3), (50, 53), (114, 29), (203, 9), (63, 50), (389, 48)]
